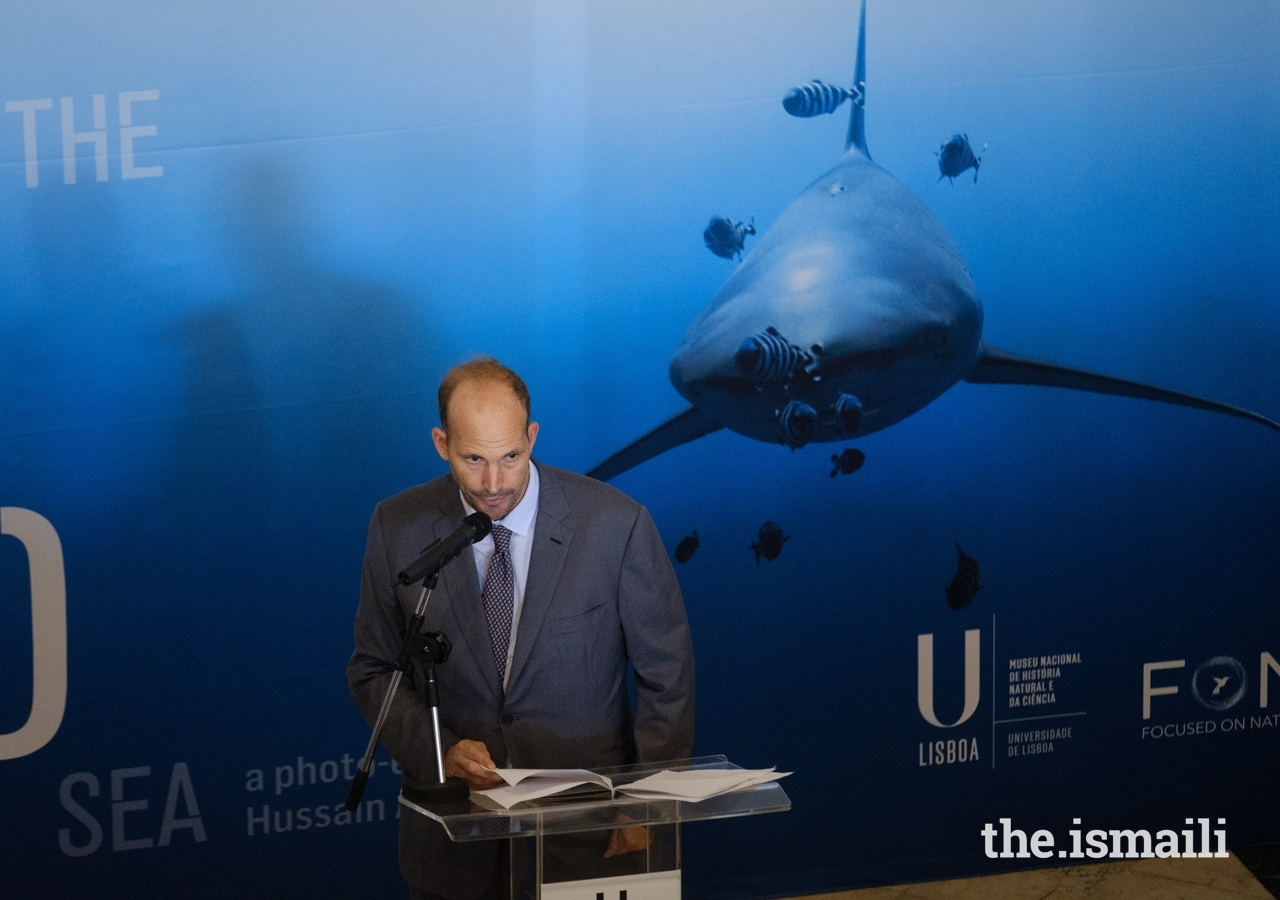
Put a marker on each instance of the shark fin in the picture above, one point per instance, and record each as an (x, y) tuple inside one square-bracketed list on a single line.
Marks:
[(856, 139), (995, 366), (690, 425)]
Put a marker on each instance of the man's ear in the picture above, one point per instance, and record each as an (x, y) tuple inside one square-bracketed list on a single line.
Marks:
[(533, 435), (441, 440)]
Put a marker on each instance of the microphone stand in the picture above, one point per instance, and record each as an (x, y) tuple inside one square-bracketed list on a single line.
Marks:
[(429, 648)]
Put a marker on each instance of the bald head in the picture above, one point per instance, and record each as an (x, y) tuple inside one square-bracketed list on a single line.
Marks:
[(480, 369)]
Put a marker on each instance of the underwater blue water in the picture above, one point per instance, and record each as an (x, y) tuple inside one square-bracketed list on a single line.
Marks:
[(208, 378)]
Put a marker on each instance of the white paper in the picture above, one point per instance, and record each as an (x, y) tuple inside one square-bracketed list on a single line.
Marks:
[(690, 786), (697, 784), (576, 776), (532, 784)]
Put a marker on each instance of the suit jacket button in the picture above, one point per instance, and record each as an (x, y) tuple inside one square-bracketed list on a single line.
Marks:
[(507, 719)]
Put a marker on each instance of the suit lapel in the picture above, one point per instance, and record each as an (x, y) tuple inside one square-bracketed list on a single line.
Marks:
[(551, 539), (462, 589)]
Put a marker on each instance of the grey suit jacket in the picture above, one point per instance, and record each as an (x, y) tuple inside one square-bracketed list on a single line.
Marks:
[(601, 592)]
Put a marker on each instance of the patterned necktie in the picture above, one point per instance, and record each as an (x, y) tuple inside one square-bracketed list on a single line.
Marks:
[(500, 597)]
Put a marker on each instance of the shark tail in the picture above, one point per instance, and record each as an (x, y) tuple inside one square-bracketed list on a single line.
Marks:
[(857, 136), (690, 425), (995, 366)]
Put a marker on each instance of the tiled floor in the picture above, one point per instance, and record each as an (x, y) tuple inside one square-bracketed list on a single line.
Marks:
[(1146, 879)]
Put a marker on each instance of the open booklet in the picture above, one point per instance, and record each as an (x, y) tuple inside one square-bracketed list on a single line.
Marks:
[(690, 785)]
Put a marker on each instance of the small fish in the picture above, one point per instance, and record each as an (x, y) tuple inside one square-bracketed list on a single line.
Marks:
[(769, 358), (797, 424), (849, 414), (687, 547), (769, 542), (725, 237), (817, 97), (955, 156), (848, 462), (964, 584)]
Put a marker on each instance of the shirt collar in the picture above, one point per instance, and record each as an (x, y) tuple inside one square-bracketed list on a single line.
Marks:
[(519, 520)]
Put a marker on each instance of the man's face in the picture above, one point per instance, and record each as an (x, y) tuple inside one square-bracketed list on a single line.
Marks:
[(487, 446)]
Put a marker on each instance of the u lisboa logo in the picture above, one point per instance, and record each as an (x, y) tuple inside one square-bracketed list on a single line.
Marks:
[(48, 631), (972, 675)]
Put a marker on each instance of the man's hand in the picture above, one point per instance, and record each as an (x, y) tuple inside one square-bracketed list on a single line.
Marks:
[(470, 761), (627, 840)]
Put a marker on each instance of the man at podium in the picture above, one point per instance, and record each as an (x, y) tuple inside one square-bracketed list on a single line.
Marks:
[(544, 615)]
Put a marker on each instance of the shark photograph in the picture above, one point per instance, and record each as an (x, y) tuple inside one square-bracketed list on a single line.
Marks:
[(852, 311)]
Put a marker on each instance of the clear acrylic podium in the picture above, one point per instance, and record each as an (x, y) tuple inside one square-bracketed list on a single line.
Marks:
[(565, 832)]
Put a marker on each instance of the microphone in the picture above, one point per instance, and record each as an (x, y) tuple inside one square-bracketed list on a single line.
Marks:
[(473, 528)]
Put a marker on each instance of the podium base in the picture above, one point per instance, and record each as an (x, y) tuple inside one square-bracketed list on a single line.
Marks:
[(645, 886)]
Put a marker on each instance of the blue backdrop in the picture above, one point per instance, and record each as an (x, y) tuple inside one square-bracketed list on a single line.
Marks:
[(240, 245)]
